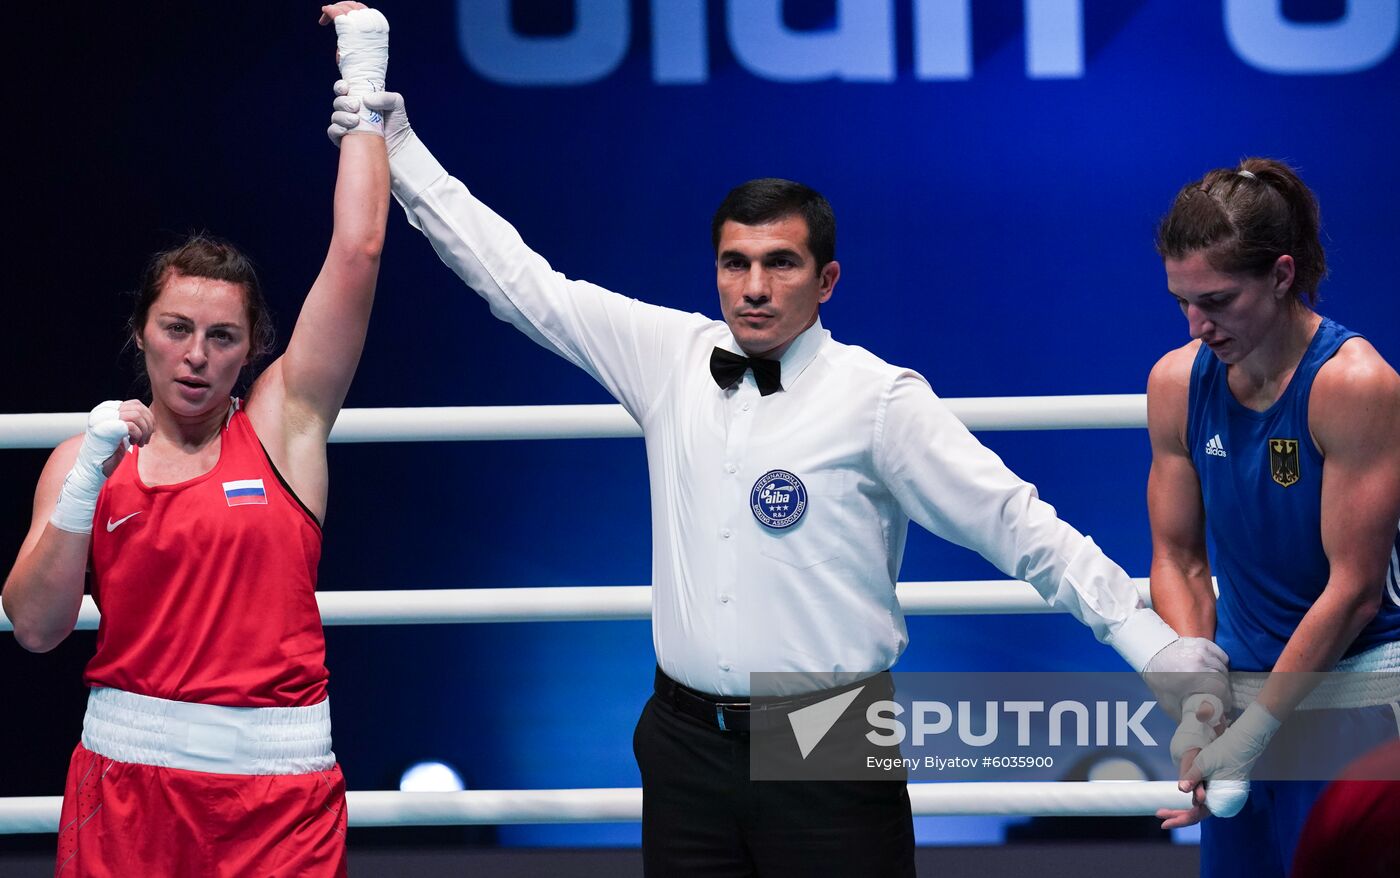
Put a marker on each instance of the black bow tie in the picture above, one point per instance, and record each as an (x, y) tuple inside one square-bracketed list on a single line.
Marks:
[(729, 368)]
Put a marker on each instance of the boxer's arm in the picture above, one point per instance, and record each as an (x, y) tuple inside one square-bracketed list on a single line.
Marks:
[(44, 590), (1182, 592), (314, 374), (1354, 417), (295, 401)]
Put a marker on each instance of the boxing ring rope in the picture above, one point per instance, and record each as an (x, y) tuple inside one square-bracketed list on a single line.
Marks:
[(583, 603), (481, 423), (499, 807), (40, 814)]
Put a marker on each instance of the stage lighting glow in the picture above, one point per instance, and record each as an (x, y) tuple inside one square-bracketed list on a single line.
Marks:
[(1116, 768), (431, 777)]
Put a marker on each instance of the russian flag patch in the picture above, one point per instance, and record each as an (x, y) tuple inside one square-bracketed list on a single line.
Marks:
[(245, 492)]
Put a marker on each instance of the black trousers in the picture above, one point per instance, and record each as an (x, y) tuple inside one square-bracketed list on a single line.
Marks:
[(702, 816)]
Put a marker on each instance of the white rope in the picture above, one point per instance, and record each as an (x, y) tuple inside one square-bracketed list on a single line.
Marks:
[(371, 808), (1046, 799), (30, 814), (609, 602), (498, 807), (474, 807), (1107, 411)]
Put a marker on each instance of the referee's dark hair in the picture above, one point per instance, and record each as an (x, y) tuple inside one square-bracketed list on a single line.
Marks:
[(771, 199)]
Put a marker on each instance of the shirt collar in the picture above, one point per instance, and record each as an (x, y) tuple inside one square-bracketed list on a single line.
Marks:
[(802, 352), (799, 354)]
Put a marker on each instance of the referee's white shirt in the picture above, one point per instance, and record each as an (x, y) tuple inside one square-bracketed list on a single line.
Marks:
[(871, 443)]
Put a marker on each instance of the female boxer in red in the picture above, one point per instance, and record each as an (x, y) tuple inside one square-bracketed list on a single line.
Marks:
[(206, 745)]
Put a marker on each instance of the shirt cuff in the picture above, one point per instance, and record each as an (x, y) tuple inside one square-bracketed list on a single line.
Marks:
[(1141, 636), (413, 169)]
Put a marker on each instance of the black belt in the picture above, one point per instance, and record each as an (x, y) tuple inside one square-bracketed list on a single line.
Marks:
[(730, 714)]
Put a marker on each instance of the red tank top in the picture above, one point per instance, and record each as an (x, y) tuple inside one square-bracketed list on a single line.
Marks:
[(207, 587)]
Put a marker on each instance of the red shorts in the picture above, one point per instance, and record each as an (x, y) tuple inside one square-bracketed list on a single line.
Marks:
[(125, 819), (1352, 829)]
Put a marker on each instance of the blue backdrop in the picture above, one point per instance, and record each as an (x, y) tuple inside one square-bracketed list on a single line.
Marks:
[(996, 167)]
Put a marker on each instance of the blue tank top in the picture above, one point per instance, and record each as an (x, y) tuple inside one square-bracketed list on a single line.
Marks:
[(1261, 479)]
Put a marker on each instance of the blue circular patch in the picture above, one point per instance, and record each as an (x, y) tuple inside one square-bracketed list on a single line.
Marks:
[(778, 499)]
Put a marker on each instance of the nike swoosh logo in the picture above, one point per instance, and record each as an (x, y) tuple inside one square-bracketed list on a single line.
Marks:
[(113, 525)]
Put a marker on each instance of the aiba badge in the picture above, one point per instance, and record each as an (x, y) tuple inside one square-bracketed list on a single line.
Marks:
[(778, 499)]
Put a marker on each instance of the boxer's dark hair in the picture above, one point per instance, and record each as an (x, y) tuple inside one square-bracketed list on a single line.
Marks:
[(770, 199), (1244, 218), (203, 255)]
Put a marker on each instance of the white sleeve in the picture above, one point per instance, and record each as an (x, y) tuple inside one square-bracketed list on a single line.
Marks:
[(960, 490), (621, 342)]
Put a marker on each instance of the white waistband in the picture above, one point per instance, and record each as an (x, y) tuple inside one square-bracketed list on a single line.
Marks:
[(208, 737), (1366, 679)]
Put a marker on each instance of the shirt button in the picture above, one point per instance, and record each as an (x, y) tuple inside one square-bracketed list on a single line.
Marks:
[(746, 406), (730, 468), (724, 598), (724, 666), (725, 533)]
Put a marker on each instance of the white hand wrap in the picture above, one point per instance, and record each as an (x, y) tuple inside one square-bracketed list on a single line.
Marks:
[(1194, 733), (349, 111), (1225, 765), (362, 39), (1226, 798), (78, 500)]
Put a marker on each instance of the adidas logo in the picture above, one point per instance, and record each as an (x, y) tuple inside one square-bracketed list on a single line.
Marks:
[(1216, 447)]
